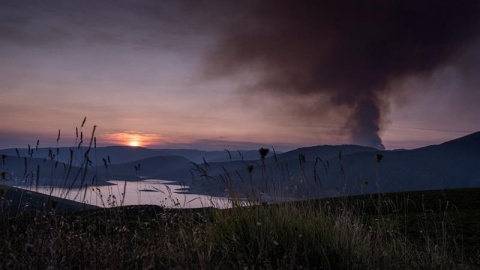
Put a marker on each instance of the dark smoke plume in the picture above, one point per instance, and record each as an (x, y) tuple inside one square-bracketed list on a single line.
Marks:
[(348, 51)]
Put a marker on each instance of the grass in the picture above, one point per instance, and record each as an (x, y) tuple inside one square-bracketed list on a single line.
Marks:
[(315, 234), (412, 230)]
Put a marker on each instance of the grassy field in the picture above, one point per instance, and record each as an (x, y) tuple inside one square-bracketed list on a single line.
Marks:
[(414, 230)]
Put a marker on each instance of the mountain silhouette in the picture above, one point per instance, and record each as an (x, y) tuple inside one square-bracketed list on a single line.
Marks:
[(324, 170)]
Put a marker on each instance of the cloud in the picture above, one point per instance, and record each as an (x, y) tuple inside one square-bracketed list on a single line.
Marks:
[(145, 24), (343, 52)]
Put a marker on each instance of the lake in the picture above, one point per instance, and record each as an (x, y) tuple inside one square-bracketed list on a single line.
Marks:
[(150, 191)]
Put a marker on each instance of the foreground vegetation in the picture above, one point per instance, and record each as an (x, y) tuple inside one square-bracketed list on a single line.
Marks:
[(417, 230)]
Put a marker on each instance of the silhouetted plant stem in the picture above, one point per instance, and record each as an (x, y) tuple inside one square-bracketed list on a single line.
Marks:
[(379, 210)]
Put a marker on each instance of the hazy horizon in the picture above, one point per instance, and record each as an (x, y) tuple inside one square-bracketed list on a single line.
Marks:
[(214, 145)]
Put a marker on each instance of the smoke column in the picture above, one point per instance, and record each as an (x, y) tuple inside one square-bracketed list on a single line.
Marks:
[(347, 51)]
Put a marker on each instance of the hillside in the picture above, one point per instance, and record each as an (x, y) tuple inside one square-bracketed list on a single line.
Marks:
[(28, 171), (453, 164), (145, 168)]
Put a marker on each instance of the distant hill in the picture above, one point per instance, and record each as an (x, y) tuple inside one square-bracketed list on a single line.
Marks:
[(309, 171), (123, 154), (33, 172), (453, 164), (278, 170), (322, 151), (201, 173), (146, 168), (66, 166), (245, 155)]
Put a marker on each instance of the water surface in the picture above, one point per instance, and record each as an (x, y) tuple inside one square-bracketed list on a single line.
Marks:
[(151, 191)]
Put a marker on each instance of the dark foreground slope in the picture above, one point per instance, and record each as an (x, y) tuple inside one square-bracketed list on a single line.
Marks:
[(14, 201), (419, 230)]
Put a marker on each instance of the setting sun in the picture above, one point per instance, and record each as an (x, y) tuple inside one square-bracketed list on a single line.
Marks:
[(132, 138), (134, 143)]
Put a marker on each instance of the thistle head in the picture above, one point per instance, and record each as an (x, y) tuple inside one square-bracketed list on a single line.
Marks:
[(263, 152)]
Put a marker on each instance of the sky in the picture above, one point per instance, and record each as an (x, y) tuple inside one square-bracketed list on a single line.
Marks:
[(239, 74)]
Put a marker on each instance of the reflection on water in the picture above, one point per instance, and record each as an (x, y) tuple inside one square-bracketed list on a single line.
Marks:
[(152, 191)]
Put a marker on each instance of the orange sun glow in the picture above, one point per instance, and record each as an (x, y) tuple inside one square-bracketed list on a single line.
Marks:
[(132, 139), (134, 143)]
